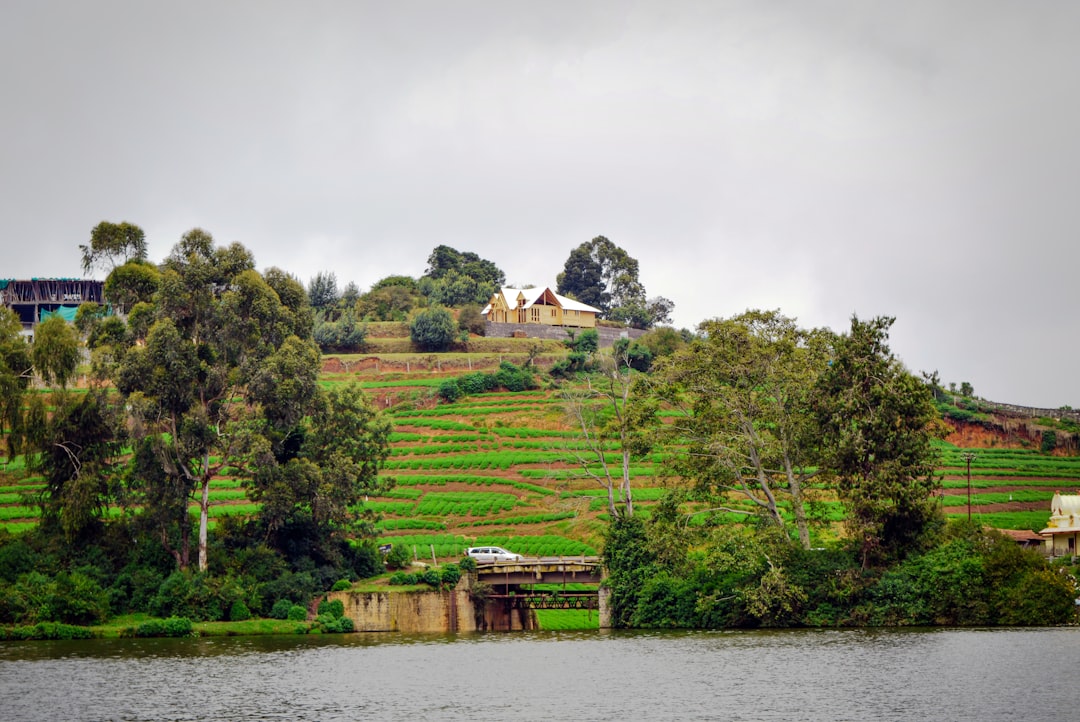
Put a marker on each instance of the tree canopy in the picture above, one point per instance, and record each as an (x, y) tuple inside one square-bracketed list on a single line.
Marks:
[(113, 244), (455, 277), (604, 275)]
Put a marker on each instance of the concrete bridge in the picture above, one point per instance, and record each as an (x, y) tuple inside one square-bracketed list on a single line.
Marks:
[(496, 596), (510, 603)]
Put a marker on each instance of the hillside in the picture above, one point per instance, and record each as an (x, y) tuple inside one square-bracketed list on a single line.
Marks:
[(499, 468)]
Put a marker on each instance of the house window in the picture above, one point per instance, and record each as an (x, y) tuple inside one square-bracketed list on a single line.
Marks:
[(536, 315)]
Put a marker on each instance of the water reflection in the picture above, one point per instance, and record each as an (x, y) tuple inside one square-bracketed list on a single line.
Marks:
[(768, 675)]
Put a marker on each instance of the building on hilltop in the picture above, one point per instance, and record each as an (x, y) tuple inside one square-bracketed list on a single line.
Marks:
[(39, 298), (1062, 532), (538, 306)]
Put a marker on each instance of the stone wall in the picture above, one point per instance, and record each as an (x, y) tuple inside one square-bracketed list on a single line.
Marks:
[(401, 611), (608, 336)]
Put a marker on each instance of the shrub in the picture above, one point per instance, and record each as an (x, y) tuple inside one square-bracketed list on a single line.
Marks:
[(329, 624), (297, 613), (281, 608), (633, 354), (469, 319), (467, 564), (1049, 441), (433, 329), (46, 630), (431, 577), (334, 607), (514, 378), (76, 599), (239, 611), (341, 585), (399, 557), (171, 627), (449, 391), (449, 576)]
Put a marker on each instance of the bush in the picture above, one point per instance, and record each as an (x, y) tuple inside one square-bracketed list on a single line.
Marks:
[(297, 613), (239, 612), (433, 329), (281, 608), (403, 579), (329, 624), (334, 607), (633, 354), (469, 319), (467, 564), (171, 627), (449, 576), (513, 378), (46, 630), (341, 585), (399, 557), (449, 391), (1049, 441), (431, 577)]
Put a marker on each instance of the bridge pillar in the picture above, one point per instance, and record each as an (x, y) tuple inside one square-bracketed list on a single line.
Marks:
[(604, 594)]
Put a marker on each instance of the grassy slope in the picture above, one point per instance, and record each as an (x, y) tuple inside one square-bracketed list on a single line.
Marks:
[(499, 469)]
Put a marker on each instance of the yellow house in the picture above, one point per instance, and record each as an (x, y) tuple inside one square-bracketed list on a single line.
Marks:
[(538, 305), (1063, 529)]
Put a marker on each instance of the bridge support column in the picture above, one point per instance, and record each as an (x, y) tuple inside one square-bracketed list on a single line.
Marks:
[(604, 604)]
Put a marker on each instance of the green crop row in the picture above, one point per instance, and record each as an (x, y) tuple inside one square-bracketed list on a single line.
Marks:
[(527, 433), (448, 545), (396, 524), (401, 508), (443, 480), (19, 512), (529, 519), (410, 437), (444, 448), (1000, 497), (436, 424), (1030, 520), (453, 410), (566, 474), (459, 503), (487, 460)]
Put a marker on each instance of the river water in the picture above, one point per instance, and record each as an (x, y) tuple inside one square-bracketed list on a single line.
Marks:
[(946, 674)]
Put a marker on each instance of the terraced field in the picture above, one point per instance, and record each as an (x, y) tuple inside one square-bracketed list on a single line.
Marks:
[(499, 468), (1010, 488)]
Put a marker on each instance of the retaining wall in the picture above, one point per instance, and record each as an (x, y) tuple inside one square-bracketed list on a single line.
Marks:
[(607, 335)]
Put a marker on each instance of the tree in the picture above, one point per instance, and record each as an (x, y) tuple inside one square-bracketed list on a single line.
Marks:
[(611, 410), (136, 281), (323, 290), (876, 421), (190, 389), (604, 275), (967, 390), (454, 277), (433, 329), (583, 278), (112, 244), (388, 303), (79, 455), (314, 493), (744, 390), (16, 370), (55, 351)]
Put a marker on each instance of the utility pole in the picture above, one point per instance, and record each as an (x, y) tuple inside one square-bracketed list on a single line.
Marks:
[(969, 456)]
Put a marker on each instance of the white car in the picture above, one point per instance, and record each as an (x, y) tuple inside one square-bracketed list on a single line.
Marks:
[(492, 554)]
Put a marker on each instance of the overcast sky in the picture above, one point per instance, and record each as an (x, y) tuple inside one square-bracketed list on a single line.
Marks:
[(914, 159)]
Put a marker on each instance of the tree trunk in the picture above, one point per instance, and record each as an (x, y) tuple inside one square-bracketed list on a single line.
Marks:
[(798, 509), (204, 507)]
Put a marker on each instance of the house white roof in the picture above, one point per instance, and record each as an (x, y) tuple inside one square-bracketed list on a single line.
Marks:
[(534, 295), (1064, 514)]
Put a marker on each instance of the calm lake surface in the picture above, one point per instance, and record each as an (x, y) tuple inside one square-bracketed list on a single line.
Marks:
[(946, 674)]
